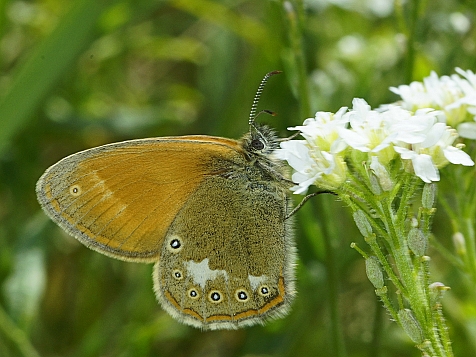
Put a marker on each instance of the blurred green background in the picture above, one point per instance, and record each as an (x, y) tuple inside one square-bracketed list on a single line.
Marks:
[(77, 74)]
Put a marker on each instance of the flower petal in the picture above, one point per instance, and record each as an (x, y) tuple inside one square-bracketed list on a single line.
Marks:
[(457, 156), (425, 169)]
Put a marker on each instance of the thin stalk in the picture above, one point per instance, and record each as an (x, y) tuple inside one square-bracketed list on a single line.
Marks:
[(377, 331), (388, 304), (388, 269), (452, 214), (469, 238), (11, 331), (372, 241), (411, 48), (356, 205), (295, 18), (333, 278), (409, 187), (416, 288)]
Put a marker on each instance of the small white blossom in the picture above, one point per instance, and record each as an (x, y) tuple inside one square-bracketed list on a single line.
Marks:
[(421, 163), (412, 128), (419, 139), (311, 166), (368, 130), (467, 130), (382, 174), (454, 95), (322, 131), (436, 151), (376, 132), (317, 159), (296, 153), (468, 87)]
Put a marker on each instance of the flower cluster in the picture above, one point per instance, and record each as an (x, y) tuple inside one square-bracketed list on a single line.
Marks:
[(318, 159), (454, 96), (377, 162), (418, 139)]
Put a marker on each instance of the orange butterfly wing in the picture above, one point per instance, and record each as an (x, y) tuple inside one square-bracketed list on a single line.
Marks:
[(121, 198)]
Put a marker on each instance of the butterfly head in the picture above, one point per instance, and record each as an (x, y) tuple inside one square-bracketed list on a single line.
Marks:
[(260, 141)]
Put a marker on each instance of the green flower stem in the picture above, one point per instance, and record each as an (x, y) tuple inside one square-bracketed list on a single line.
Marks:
[(383, 294), (416, 296), (410, 273), (389, 219), (396, 231), (16, 335), (357, 188), (406, 189), (377, 333), (425, 218), (388, 269), (407, 23), (372, 242), (333, 279), (294, 19), (462, 221), (467, 228), (451, 212), (442, 328)]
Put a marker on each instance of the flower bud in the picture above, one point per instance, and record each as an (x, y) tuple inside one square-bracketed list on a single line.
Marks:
[(362, 223), (374, 184), (437, 290), (417, 242), (429, 195), (459, 243), (374, 272), (410, 325), (381, 172)]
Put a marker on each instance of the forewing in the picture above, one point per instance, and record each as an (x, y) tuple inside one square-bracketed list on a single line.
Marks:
[(120, 199)]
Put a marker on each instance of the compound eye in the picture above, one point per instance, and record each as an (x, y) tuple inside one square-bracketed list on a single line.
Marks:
[(257, 144)]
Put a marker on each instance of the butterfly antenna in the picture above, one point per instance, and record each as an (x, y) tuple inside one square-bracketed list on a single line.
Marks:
[(254, 106)]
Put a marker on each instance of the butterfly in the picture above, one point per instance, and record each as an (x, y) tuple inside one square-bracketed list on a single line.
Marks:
[(213, 214)]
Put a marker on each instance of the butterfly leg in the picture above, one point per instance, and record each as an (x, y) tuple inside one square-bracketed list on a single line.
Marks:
[(304, 200), (289, 137)]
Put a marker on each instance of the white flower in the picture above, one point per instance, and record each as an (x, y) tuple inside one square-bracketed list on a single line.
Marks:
[(413, 96), (439, 144), (317, 159), (322, 131), (468, 86), (454, 95), (421, 163), (434, 152), (296, 153), (310, 165), (369, 131), (412, 128), (375, 132), (467, 130), (380, 139)]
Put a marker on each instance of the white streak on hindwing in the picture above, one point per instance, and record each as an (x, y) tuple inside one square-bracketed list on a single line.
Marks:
[(256, 281), (201, 272)]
